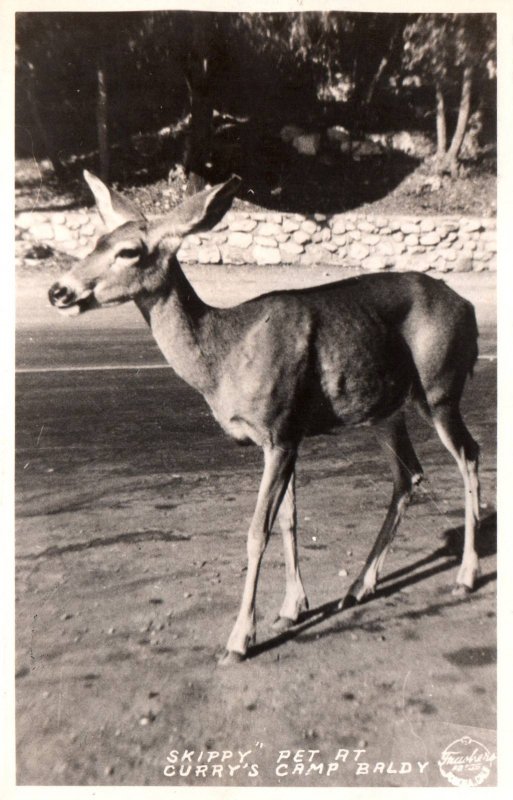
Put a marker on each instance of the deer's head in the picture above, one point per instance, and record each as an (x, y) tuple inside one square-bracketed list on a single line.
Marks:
[(135, 256)]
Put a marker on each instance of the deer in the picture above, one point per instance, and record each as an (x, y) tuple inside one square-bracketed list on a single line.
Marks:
[(290, 364)]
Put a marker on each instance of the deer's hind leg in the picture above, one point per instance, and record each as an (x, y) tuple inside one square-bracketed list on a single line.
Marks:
[(455, 436), (295, 600), (393, 437)]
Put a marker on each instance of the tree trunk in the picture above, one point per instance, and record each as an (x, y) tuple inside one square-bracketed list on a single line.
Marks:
[(44, 134), (102, 122), (198, 77), (369, 94), (441, 124), (199, 138), (451, 159)]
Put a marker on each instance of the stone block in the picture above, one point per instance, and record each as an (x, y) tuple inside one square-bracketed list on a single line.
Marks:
[(470, 246), (385, 248), (26, 219), (463, 264), (339, 226), (290, 225), (243, 225), (410, 227), (61, 233), (375, 263), (219, 238), (340, 241), (209, 254), (471, 225), (419, 264), (448, 226), (269, 229), (331, 247), (307, 144), (266, 255), (411, 239), (371, 239), (265, 241), (240, 240), (430, 239), (358, 251), (301, 237), (337, 133), (73, 222), (290, 132), (305, 260), (315, 253), (448, 255), (427, 225), (309, 226), (89, 229), (292, 248), (365, 226), (42, 231)]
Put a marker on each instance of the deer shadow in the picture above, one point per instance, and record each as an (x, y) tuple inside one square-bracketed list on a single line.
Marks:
[(416, 572)]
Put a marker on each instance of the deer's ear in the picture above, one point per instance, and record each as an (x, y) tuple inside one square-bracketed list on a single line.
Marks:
[(114, 209), (198, 213)]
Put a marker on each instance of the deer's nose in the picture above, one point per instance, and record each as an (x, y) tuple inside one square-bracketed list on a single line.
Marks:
[(61, 295)]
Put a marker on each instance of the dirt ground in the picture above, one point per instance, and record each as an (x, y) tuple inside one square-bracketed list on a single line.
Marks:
[(131, 516)]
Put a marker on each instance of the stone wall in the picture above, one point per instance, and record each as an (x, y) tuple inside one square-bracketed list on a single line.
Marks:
[(373, 242)]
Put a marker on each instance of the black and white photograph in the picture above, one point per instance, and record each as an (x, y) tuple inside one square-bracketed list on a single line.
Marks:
[(255, 409)]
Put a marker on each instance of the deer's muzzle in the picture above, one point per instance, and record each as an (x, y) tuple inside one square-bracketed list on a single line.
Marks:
[(65, 299)]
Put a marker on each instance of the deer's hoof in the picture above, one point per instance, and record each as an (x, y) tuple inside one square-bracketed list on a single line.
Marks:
[(460, 590), (349, 601), (229, 658), (282, 624)]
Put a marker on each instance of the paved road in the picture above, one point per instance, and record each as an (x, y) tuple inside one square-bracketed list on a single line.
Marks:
[(100, 383), (118, 336)]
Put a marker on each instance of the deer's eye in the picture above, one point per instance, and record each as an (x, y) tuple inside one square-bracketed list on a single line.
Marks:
[(128, 252)]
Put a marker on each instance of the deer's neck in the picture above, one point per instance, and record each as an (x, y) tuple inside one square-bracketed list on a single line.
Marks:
[(176, 316)]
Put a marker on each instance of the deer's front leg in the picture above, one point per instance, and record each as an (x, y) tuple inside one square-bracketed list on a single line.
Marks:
[(278, 466), (295, 600)]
